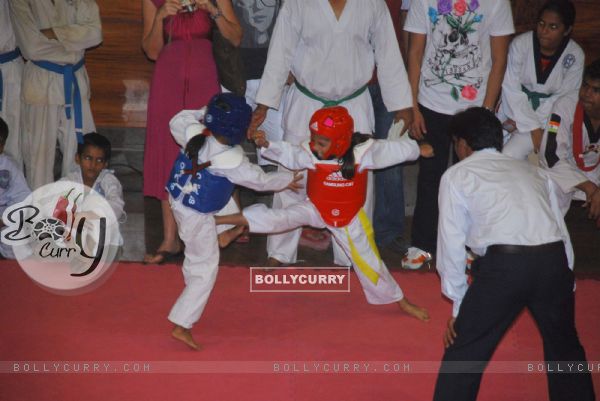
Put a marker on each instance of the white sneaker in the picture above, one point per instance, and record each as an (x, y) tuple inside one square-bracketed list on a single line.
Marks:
[(415, 258)]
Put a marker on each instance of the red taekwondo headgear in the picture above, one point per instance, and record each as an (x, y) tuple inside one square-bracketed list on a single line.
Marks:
[(336, 124)]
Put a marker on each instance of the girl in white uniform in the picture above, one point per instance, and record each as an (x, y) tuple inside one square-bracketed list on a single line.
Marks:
[(337, 163), (200, 185), (543, 65)]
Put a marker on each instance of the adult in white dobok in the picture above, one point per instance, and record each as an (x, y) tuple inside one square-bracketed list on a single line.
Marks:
[(53, 36), (543, 65), (331, 48), (11, 70)]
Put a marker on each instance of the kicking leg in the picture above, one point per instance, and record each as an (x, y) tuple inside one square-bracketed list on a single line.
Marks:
[(228, 236), (236, 219)]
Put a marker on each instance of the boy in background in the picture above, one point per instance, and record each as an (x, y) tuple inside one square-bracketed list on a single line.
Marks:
[(92, 158), (13, 187)]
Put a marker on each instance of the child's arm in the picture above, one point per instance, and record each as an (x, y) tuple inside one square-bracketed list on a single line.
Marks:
[(113, 193), (252, 176), (186, 124), (426, 150), (290, 156), (383, 153)]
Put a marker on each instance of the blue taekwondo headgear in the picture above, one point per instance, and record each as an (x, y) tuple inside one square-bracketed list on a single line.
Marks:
[(228, 115)]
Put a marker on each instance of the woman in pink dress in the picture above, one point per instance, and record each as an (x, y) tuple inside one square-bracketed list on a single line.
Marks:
[(185, 77)]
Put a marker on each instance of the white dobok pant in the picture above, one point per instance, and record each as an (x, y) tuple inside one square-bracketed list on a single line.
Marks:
[(356, 240)]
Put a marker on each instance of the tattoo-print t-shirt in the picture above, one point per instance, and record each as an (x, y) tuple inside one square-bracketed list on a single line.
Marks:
[(457, 59), (257, 18)]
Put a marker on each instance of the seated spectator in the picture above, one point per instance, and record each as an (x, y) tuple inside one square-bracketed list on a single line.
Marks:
[(570, 151), (543, 65), (92, 158), (13, 187), (571, 144)]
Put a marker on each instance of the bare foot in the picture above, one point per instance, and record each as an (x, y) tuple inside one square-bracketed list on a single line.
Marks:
[(163, 253), (227, 237), (414, 310), (184, 335)]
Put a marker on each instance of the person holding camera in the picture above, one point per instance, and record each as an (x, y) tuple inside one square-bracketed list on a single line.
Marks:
[(177, 36)]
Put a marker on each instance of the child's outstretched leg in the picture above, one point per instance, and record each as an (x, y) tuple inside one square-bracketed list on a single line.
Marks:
[(184, 335), (227, 233), (236, 219), (378, 284), (228, 236), (413, 310)]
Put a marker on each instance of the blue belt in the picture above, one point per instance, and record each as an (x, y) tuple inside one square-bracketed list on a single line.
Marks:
[(69, 83), (5, 58)]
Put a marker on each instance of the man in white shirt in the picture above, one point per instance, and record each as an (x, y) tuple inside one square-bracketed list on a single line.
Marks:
[(331, 48), (53, 36), (505, 211), (457, 58)]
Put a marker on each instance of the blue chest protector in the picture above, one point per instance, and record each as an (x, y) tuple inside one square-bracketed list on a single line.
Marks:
[(204, 192)]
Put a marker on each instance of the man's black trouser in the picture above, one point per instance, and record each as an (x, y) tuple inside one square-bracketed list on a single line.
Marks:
[(505, 281), (425, 218)]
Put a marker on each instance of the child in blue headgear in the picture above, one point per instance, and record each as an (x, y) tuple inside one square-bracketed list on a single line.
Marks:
[(200, 185)]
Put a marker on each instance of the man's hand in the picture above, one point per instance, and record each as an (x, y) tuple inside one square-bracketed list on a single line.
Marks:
[(418, 129), (260, 139), (405, 115), (592, 198), (258, 117), (296, 183), (450, 334)]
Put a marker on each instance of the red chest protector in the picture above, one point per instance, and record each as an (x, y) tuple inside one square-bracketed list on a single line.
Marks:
[(337, 199)]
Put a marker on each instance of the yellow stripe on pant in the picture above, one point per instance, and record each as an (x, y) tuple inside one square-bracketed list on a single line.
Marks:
[(363, 266)]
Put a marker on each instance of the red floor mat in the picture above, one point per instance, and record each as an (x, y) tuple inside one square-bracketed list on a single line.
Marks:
[(249, 339)]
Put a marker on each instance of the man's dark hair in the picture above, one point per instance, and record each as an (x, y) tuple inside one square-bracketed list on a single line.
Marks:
[(564, 8), (3, 131), (479, 127), (592, 71), (97, 140)]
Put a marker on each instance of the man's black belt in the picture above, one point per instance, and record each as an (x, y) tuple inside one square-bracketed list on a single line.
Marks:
[(525, 249)]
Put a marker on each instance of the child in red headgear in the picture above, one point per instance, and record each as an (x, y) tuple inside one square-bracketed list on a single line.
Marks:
[(337, 160)]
